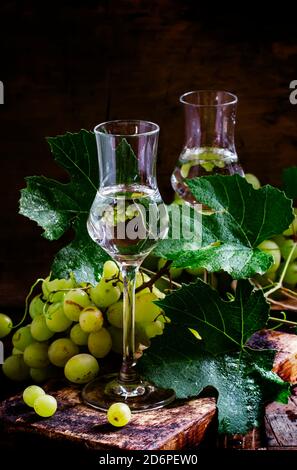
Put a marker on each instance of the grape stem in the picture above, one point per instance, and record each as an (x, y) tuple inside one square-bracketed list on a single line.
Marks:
[(155, 277), (279, 284), (27, 302), (280, 321)]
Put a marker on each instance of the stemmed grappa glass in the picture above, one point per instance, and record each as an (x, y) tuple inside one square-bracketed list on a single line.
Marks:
[(127, 219)]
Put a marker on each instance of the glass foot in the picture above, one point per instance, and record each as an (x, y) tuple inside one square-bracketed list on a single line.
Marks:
[(143, 396)]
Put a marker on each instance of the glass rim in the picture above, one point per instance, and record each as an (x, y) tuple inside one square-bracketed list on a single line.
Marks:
[(131, 121), (233, 98)]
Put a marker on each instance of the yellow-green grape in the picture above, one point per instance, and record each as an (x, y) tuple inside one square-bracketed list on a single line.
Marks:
[(61, 350), (105, 293), (22, 338), (31, 393), (207, 166), (5, 325), (290, 278), (119, 414), (36, 306), (45, 406), (15, 368), (56, 319), (81, 368), (36, 355), (145, 309), (91, 319), (292, 229), (74, 302), (16, 351), (185, 168), (110, 269), (78, 336), (54, 290), (41, 375), (271, 248), (149, 329), (39, 329), (195, 271), (253, 180), (279, 240), (99, 343), (117, 339), (286, 248), (115, 314), (174, 272)]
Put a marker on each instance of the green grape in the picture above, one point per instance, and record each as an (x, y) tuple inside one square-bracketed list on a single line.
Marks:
[(271, 248), (105, 293), (54, 291), (290, 277), (5, 325), (145, 309), (117, 339), (286, 249), (45, 406), (81, 368), (119, 414), (36, 307), (115, 314), (174, 272), (36, 355), (195, 271), (22, 338), (61, 350), (178, 200), (56, 319), (185, 168), (292, 229), (110, 269), (74, 302), (279, 240), (41, 375), (253, 180), (31, 393), (16, 351), (147, 330), (99, 343), (78, 336), (15, 368), (91, 319), (208, 166), (39, 329)]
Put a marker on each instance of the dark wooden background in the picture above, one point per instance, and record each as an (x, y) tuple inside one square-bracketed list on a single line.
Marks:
[(70, 65)]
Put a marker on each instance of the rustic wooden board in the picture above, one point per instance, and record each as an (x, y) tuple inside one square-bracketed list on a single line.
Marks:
[(173, 428), (281, 425)]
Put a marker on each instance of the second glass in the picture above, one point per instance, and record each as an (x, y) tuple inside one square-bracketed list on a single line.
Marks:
[(127, 219), (209, 138)]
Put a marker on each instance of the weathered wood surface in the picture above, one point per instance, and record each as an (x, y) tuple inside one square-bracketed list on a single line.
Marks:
[(173, 428), (281, 425)]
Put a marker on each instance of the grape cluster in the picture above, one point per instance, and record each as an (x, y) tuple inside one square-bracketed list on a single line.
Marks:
[(283, 249), (75, 325)]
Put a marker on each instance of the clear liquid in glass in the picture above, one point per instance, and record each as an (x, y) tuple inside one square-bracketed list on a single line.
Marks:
[(128, 221)]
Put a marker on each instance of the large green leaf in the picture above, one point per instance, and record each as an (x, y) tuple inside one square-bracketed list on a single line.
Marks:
[(56, 207), (242, 377), (224, 325), (243, 217), (290, 182), (244, 381)]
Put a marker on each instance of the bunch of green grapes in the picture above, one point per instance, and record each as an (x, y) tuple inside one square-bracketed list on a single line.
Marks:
[(73, 326)]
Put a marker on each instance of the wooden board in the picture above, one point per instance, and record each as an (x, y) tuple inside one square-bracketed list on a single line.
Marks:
[(173, 428)]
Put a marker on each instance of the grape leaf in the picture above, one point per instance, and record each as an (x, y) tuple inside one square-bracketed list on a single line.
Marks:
[(244, 381), (242, 376), (243, 217), (289, 178), (224, 325), (57, 206)]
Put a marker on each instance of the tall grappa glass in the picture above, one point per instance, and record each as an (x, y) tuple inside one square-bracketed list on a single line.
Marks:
[(127, 219)]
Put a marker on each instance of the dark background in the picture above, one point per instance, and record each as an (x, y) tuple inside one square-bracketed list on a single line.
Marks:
[(69, 66)]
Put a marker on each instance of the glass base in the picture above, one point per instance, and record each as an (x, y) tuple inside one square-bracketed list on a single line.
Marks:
[(143, 396)]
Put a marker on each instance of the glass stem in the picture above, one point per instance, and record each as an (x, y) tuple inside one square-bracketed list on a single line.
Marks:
[(127, 373)]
